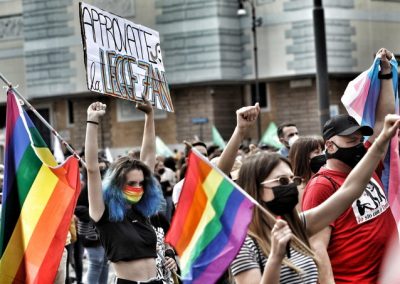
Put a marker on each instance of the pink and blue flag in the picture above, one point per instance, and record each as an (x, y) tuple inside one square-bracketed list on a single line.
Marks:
[(360, 99)]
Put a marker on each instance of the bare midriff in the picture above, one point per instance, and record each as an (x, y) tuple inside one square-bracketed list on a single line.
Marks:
[(136, 270)]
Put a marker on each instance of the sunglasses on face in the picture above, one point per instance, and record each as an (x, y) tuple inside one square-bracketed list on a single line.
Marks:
[(285, 180)]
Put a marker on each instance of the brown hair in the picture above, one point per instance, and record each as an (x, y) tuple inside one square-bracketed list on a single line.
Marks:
[(299, 155), (255, 170), (125, 164)]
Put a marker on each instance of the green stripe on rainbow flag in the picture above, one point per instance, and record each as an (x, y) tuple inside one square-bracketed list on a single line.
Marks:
[(39, 197), (210, 222)]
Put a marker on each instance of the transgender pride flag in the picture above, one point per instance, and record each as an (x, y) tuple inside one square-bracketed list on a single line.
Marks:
[(360, 99)]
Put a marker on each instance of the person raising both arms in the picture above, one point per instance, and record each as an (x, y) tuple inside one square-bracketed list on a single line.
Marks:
[(122, 204)]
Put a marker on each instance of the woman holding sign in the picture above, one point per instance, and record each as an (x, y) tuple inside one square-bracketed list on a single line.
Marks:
[(122, 204)]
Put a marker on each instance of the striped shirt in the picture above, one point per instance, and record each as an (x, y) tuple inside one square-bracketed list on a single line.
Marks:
[(250, 256)]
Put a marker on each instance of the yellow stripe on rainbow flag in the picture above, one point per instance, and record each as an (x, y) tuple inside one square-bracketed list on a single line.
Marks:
[(210, 186), (38, 196)]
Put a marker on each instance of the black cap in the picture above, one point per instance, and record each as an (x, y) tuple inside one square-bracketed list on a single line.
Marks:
[(344, 124)]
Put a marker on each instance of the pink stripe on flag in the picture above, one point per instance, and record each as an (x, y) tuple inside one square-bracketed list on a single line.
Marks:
[(12, 115), (394, 180), (361, 87)]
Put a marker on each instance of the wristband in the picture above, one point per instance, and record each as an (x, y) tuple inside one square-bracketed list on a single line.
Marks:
[(385, 76), (92, 122)]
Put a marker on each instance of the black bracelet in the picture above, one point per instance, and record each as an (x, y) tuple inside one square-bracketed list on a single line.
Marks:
[(385, 76), (92, 122)]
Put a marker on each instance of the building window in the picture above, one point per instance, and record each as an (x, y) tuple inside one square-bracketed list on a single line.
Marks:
[(126, 111), (264, 100), (70, 112)]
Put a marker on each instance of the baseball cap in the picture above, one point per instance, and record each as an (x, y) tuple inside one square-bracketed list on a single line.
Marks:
[(344, 124)]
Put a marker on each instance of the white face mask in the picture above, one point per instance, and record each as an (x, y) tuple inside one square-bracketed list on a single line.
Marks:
[(292, 140)]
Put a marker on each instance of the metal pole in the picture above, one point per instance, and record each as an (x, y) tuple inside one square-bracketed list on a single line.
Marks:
[(255, 50), (43, 120), (321, 62)]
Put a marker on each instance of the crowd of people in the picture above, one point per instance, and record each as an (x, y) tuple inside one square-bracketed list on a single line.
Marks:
[(329, 212)]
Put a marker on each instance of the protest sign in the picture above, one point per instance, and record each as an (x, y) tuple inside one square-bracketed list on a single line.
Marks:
[(123, 59)]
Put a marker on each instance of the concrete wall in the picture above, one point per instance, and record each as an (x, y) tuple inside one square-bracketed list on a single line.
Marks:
[(299, 105)]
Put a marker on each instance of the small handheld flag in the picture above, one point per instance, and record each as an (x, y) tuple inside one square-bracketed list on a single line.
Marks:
[(162, 149), (217, 138), (210, 223), (270, 136)]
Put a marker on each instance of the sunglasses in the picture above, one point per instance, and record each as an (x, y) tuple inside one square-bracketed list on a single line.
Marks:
[(285, 180)]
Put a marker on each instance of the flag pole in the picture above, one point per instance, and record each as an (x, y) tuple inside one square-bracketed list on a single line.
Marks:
[(53, 131), (248, 196)]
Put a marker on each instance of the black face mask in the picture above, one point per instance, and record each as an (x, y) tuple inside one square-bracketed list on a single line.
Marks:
[(317, 162), (350, 156), (161, 171), (286, 198)]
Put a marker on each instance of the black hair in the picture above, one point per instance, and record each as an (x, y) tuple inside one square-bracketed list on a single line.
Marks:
[(283, 125)]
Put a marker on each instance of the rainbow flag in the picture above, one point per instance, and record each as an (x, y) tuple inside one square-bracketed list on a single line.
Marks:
[(210, 222), (360, 99), (38, 202)]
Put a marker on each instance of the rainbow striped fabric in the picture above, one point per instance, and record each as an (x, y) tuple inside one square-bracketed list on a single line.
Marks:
[(210, 222), (360, 99), (38, 202)]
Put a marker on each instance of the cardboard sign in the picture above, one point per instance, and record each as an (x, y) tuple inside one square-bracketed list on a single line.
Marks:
[(123, 59)]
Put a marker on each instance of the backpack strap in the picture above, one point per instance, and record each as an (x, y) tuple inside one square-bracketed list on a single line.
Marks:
[(331, 180)]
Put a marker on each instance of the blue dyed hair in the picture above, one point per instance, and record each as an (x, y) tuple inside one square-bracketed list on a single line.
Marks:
[(114, 181)]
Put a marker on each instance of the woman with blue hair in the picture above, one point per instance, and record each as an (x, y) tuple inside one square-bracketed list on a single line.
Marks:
[(121, 205)]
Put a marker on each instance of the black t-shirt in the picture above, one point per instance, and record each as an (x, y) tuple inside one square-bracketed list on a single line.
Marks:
[(129, 239)]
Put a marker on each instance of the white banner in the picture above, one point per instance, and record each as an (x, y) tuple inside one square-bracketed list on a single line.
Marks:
[(123, 59)]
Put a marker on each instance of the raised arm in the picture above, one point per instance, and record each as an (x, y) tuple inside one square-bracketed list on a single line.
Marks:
[(321, 216), (148, 149), (245, 119), (96, 202), (386, 100)]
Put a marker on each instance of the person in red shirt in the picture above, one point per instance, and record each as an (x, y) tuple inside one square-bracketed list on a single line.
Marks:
[(352, 247)]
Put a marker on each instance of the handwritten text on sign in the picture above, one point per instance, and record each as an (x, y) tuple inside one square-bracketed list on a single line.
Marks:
[(123, 59)]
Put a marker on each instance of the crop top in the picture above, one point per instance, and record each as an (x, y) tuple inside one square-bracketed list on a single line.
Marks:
[(129, 239)]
